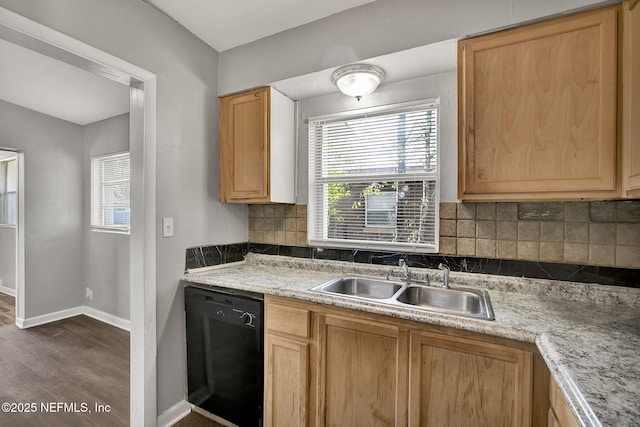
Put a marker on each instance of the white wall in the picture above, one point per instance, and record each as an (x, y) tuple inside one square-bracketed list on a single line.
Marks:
[(371, 30), (187, 145), (443, 86), (105, 256), (52, 156)]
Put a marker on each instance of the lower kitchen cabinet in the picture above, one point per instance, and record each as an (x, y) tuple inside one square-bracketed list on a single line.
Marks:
[(328, 366), (286, 365), (362, 372), (560, 415), (287, 395), (462, 382)]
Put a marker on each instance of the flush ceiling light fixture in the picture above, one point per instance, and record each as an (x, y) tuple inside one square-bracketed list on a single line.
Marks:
[(358, 79)]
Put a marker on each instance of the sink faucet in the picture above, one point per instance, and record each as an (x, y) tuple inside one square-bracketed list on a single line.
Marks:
[(445, 280), (406, 273)]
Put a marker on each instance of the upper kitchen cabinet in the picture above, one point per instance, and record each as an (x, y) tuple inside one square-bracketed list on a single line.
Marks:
[(537, 111), (257, 149), (631, 98)]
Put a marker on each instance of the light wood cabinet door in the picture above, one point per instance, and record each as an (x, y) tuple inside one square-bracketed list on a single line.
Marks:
[(537, 111), (553, 420), (560, 408), (286, 391), (362, 373), (631, 97), (460, 382), (244, 147), (287, 351)]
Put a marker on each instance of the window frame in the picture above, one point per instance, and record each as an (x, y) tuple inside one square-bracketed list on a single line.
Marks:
[(6, 207), (97, 191), (320, 221)]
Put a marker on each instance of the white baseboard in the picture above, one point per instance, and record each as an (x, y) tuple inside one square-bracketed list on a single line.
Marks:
[(174, 414), (30, 322), (20, 322), (110, 319), (8, 291)]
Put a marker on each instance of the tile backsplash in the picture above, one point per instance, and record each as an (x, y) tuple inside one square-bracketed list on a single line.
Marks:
[(587, 233), (278, 224)]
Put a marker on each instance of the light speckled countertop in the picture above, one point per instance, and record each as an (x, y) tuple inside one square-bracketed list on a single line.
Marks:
[(589, 335)]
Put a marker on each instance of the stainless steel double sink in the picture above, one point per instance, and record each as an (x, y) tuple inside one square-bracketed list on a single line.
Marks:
[(467, 302)]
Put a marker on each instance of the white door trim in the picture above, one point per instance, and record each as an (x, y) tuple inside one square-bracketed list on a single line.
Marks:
[(25, 32)]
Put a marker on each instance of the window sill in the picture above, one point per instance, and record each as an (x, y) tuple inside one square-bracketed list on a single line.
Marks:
[(370, 245), (110, 230)]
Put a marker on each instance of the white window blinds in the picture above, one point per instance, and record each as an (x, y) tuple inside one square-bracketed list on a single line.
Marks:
[(374, 179), (110, 205)]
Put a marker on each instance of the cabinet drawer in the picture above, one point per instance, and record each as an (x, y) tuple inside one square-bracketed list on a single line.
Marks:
[(289, 320)]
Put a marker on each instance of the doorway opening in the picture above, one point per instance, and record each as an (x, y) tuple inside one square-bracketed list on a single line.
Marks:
[(142, 124)]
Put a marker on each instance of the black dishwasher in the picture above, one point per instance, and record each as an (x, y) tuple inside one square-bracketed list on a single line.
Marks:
[(225, 348)]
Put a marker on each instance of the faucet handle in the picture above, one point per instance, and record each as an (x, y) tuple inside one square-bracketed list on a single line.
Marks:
[(445, 276), (405, 269)]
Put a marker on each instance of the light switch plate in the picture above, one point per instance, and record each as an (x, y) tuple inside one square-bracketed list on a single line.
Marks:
[(167, 227)]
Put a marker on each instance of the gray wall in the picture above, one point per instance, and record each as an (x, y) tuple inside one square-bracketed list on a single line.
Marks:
[(62, 256), (443, 86), (53, 191), (374, 29), (105, 256), (8, 258), (187, 145)]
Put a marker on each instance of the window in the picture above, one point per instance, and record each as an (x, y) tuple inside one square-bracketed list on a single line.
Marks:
[(380, 209), (110, 208), (374, 178), (8, 192)]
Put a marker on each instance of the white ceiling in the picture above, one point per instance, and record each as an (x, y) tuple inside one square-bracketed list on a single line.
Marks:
[(226, 24), (51, 87), (404, 65), (46, 85)]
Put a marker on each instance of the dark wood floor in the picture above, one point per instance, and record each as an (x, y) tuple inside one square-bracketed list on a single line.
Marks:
[(7, 310), (69, 365), (196, 420), (35, 368)]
